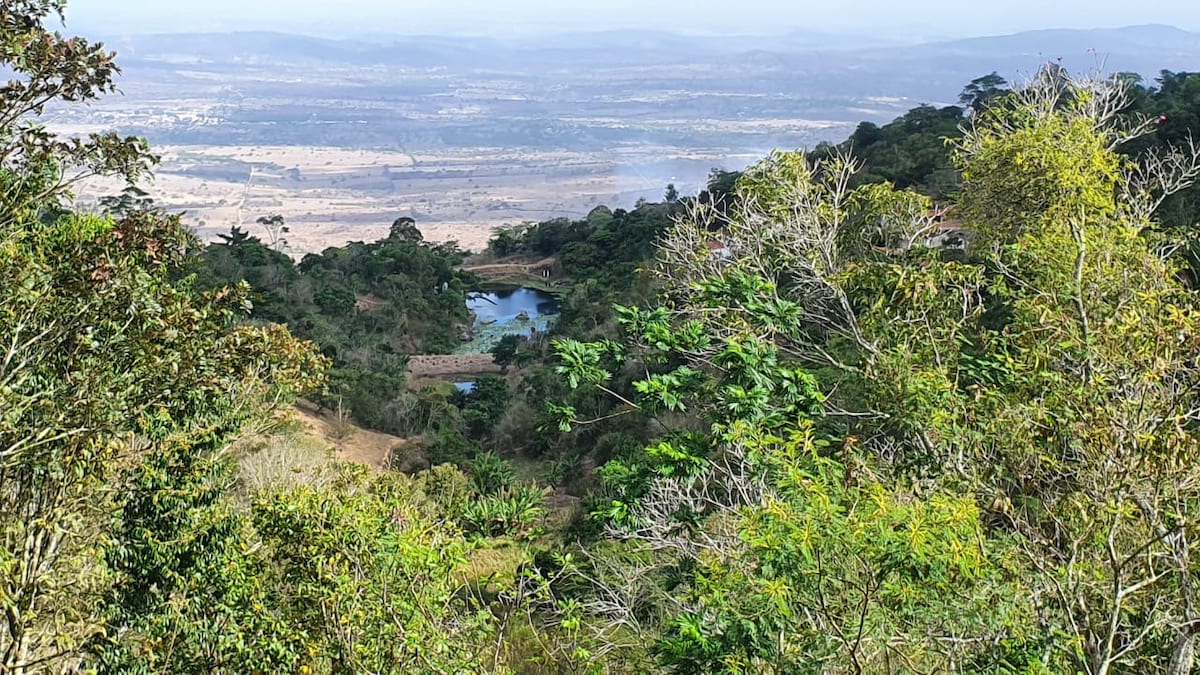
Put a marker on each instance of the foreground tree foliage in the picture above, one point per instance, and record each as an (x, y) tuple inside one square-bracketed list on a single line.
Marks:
[(916, 459), (369, 572), (123, 388), (108, 369)]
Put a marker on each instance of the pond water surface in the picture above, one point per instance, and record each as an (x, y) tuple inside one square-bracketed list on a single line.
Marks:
[(517, 311)]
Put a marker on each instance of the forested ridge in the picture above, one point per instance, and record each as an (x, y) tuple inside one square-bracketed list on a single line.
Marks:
[(922, 401)]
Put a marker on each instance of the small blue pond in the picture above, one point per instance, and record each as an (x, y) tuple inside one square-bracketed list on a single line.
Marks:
[(517, 311)]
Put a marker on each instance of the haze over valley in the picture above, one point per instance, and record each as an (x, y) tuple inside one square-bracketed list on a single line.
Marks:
[(465, 134)]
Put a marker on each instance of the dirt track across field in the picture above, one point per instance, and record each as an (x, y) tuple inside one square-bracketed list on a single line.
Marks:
[(511, 269)]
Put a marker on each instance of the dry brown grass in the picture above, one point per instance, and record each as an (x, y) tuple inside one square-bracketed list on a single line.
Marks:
[(285, 457), (329, 196), (302, 447)]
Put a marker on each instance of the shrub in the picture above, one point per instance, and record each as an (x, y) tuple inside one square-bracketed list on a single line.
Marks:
[(492, 473), (448, 487), (448, 446), (512, 512)]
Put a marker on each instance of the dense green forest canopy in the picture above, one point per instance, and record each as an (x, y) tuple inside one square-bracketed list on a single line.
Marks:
[(660, 423), (896, 435), (368, 306), (913, 152)]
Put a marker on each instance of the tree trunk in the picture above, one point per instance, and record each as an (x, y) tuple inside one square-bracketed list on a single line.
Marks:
[(1183, 655), (12, 661)]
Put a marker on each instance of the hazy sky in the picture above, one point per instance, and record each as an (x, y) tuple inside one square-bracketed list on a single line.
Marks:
[(892, 18)]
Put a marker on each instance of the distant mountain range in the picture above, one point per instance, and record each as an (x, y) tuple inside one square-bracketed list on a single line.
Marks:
[(1145, 49), (839, 65)]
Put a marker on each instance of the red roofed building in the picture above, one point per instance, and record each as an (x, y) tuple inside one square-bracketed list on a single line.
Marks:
[(718, 249)]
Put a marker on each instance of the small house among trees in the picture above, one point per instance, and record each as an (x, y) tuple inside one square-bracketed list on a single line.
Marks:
[(718, 249)]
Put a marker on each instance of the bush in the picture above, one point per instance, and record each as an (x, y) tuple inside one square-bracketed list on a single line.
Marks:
[(512, 431), (512, 512), (484, 405), (505, 351), (448, 446), (418, 413), (561, 470), (448, 487), (407, 457), (492, 473)]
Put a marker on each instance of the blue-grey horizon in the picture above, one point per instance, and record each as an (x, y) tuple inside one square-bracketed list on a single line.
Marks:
[(919, 21)]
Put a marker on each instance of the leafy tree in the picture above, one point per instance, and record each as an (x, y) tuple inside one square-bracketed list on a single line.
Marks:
[(447, 445), (236, 237), (483, 405), (909, 152), (505, 351), (337, 302), (491, 473), (47, 69), (192, 588), (405, 229), (370, 577), (718, 192), (1024, 409), (777, 568), (1102, 514), (982, 91), (131, 200), (600, 217), (505, 241), (111, 364), (672, 195), (275, 227)]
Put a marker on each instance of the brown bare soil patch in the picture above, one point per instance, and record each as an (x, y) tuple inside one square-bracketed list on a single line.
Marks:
[(451, 364), (353, 443), (368, 303)]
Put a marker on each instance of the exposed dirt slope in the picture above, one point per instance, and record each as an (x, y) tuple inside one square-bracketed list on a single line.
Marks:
[(352, 443)]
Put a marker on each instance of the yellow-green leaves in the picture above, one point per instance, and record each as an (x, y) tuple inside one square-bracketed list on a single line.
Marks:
[(1033, 171)]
